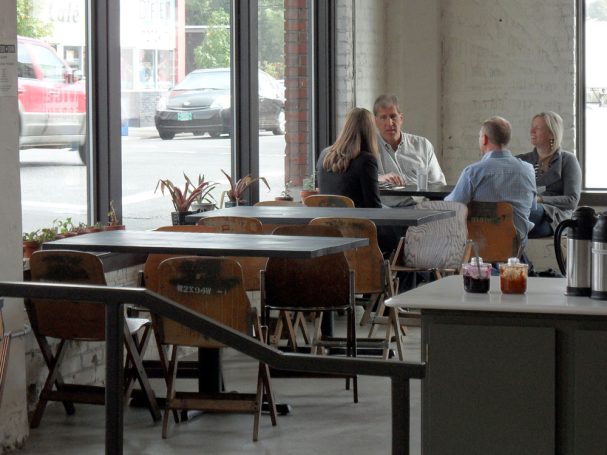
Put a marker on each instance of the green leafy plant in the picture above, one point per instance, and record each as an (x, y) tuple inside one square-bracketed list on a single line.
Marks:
[(33, 236), (112, 217), (63, 226), (286, 193), (182, 199), (309, 182), (237, 188)]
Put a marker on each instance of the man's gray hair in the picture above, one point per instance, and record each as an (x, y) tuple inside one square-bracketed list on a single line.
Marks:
[(498, 130), (554, 122), (385, 101)]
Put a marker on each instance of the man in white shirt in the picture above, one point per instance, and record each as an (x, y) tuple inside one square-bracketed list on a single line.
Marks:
[(402, 154)]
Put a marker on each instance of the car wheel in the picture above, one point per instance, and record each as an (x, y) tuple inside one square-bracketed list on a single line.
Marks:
[(82, 153), (198, 133), (166, 136), (214, 134), (282, 123)]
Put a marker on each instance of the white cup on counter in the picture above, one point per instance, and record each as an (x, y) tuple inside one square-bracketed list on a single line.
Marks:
[(422, 179)]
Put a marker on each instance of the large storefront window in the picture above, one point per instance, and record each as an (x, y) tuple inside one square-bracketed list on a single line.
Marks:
[(595, 159), (52, 112), (175, 102)]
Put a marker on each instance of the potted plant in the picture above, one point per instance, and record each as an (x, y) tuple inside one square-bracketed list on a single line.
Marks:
[(183, 199), (113, 223), (31, 243), (205, 200), (64, 228), (285, 195), (238, 188), (308, 187)]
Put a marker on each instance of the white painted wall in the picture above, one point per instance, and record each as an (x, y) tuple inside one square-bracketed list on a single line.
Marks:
[(13, 415)]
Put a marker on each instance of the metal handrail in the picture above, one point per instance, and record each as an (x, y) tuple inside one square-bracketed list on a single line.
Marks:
[(115, 297)]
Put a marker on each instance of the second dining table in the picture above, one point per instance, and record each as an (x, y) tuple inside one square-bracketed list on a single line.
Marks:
[(403, 217)]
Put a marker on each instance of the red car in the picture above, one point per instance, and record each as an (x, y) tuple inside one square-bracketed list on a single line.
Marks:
[(52, 99)]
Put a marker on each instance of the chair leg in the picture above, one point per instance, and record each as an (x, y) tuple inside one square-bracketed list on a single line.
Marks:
[(130, 370), (171, 379), (135, 358), (300, 322), (264, 371), (351, 330), (381, 308), (164, 364), (395, 325)]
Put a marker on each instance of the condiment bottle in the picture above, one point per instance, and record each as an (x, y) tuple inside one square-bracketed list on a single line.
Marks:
[(513, 277), (476, 276)]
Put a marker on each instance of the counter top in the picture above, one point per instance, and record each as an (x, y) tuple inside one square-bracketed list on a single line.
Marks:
[(543, 296)]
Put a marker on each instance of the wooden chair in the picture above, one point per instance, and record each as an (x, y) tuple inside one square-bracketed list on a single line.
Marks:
[(279, 203), (328, 200), (370, 268), (212, 287), (241, 225), (491, 227), (4, 350), (79, 321), (285, 318), (319, 285)]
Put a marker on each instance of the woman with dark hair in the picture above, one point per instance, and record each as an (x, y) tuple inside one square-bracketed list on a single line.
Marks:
[(557, 175), (349, 167)]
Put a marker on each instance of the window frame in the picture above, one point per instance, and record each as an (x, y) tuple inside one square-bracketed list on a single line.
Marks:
[(104, 183)]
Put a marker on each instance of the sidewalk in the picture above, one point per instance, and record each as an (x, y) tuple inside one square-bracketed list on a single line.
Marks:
[(146, 132)]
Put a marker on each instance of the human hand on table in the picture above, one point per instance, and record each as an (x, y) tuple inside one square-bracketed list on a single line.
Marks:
[(392, 178)]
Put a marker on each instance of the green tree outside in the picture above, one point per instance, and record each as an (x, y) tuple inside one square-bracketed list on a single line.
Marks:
[(214, 52), (28, 25)]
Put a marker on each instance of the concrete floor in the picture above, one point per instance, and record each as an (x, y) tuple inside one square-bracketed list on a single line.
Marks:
[(324, 419)]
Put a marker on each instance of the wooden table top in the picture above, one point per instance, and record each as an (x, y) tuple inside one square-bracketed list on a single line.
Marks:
[(207, 244), (303, 215)]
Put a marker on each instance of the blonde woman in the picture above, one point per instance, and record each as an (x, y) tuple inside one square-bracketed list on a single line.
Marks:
[(558, 175), (349, 167)]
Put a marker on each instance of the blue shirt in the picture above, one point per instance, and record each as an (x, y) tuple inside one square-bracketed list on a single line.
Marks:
[(499, 176)]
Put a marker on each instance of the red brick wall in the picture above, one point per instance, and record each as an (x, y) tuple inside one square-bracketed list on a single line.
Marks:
[(297, 105)]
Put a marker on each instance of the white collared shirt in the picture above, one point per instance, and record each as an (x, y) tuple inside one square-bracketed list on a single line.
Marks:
[(412, 153)]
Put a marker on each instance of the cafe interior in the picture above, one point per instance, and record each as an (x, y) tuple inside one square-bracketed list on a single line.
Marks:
[(436, 370)]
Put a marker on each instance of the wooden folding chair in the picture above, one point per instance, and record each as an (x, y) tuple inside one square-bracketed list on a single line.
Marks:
[(4, 350), (286, 319), (79, 321), (370, 268), (212, 287), (319, 285), (328, 200), (241, 225), (491, 227)]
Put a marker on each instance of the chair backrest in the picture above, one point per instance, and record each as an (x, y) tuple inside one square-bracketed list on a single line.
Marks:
[(233, 224), (316, 284), (211, 287), (67, 319), (241, 225), (491, 227), (328, 200), (367, 261), (310, 230), (278, 203), (150, 269), (439, 244)]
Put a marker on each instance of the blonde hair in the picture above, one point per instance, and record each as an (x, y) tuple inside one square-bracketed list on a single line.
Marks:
[(357, 136), (554, 123)]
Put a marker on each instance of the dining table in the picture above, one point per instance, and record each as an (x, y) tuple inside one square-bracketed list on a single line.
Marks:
[(398, 217), (434, 192), (511, 373), (207, 244)]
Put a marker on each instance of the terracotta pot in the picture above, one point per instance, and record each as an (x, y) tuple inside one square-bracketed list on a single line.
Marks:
[(283, 198), (91, 229), (115, 227), (305, 193), (29, 246)]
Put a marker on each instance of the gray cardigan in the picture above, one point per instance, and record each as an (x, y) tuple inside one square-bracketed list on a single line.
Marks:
[(559, 186)]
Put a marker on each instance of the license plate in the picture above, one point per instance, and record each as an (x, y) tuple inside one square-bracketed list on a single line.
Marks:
[(184, 116)]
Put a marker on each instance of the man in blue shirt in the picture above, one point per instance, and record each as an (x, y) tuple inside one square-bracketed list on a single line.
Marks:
[(499, 176)]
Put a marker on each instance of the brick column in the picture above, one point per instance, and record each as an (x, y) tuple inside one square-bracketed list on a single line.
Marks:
[(297, 104)]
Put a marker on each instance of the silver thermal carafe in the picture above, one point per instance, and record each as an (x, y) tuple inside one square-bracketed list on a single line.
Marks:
[(599, 258), (579, 250)]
